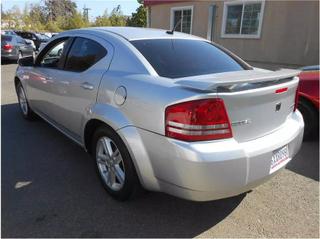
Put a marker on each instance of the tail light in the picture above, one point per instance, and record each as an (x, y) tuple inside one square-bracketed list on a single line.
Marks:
[(7, 47), (198, 120)]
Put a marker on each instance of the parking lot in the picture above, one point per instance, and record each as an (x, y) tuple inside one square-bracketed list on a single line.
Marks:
[(50, 189)]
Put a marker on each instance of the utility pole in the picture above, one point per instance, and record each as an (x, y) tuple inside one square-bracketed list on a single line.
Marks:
[(86, 13)]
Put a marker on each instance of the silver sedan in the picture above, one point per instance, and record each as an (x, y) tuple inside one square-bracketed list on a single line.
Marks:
[(166, 112)]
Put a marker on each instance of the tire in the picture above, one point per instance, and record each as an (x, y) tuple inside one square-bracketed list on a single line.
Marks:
[(311, 119), (25, 109), (120, 185), (59, 52)]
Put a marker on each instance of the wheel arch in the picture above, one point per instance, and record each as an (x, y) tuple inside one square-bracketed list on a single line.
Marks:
[(102, 114), (91, 126), (16, 81), (308, 100)]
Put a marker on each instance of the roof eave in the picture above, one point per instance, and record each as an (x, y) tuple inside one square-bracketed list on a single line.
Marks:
[(148, 3)]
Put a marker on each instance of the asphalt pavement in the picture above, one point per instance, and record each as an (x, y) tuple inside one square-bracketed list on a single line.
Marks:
[(50, 189)]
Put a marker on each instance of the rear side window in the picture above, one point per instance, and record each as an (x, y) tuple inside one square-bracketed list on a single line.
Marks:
[(83, 54), (6, 38), (174, 58)]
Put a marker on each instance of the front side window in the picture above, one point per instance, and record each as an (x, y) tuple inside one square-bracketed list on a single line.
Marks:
[(53, 58), (174, 58), (83, 54), (242, 19), (185, 14)]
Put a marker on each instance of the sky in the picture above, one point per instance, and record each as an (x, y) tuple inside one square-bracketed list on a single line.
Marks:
[(97, 6)]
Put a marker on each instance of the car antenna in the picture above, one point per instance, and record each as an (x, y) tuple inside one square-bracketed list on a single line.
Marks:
[(174, 28)]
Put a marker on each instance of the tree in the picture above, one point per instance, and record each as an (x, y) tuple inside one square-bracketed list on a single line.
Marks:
[(37, 17), (139, 18), (116, 17), (103, 20), (60, 8), (52, 26), (12, 18), (76, 21)]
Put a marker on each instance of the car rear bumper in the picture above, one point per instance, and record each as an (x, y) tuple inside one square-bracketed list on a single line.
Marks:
[(209, 170), (9, 56)]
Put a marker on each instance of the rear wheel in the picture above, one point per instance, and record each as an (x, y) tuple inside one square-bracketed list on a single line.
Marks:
[(114, 165), (311, 119), (26, 111)]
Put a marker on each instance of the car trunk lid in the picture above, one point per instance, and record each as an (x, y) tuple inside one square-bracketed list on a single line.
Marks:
[(258, 102)]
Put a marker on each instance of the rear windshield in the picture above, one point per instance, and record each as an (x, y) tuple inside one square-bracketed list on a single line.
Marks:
[(6, 38), (174, 58)]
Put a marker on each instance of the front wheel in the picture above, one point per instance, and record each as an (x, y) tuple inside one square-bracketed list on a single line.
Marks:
[(114, 164), (26, 111)]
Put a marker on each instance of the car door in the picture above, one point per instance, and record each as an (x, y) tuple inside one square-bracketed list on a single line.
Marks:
[(43, 75), (76, 88)]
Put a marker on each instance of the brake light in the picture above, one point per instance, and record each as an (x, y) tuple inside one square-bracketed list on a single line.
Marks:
[(281, 90), (7, 47), (198, 120)]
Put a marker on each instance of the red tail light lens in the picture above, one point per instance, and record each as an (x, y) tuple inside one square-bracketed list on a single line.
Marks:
[(281, 90), (7, 47), (198, 120)]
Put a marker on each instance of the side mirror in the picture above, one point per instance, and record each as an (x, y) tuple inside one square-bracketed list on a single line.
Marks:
[(26, 61), (28, 42)]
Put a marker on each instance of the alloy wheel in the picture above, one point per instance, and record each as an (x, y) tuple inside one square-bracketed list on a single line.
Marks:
[(23, 101), (110, 163)]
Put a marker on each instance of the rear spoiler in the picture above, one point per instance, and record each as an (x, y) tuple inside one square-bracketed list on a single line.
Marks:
[(213, 81)]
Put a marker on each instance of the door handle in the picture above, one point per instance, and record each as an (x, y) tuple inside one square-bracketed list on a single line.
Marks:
[(87, 86)]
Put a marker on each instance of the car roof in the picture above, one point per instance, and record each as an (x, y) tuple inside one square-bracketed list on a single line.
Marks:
[(137, 33)]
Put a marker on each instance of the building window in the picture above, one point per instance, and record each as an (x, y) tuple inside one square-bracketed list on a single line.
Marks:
[(242, 19), (186, 15)]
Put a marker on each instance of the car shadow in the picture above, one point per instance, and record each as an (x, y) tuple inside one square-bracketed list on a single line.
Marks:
[(50, 189), (8, 62), (306, 162)]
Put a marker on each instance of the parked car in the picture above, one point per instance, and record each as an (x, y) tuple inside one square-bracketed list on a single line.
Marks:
[(37, 38), (309, 100), (42, 45), (31, 43), (168, 111), (8, 32), (14, 47), (48, 34)]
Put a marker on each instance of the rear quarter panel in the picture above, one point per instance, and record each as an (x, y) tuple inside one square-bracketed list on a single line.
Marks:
[(309, 87)]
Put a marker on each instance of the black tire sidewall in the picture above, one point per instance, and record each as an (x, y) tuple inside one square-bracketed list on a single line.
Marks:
[(310, 119), (131, 182), (29, 114)]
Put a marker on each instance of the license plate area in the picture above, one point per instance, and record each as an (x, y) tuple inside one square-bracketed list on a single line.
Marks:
[(280, 157)]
